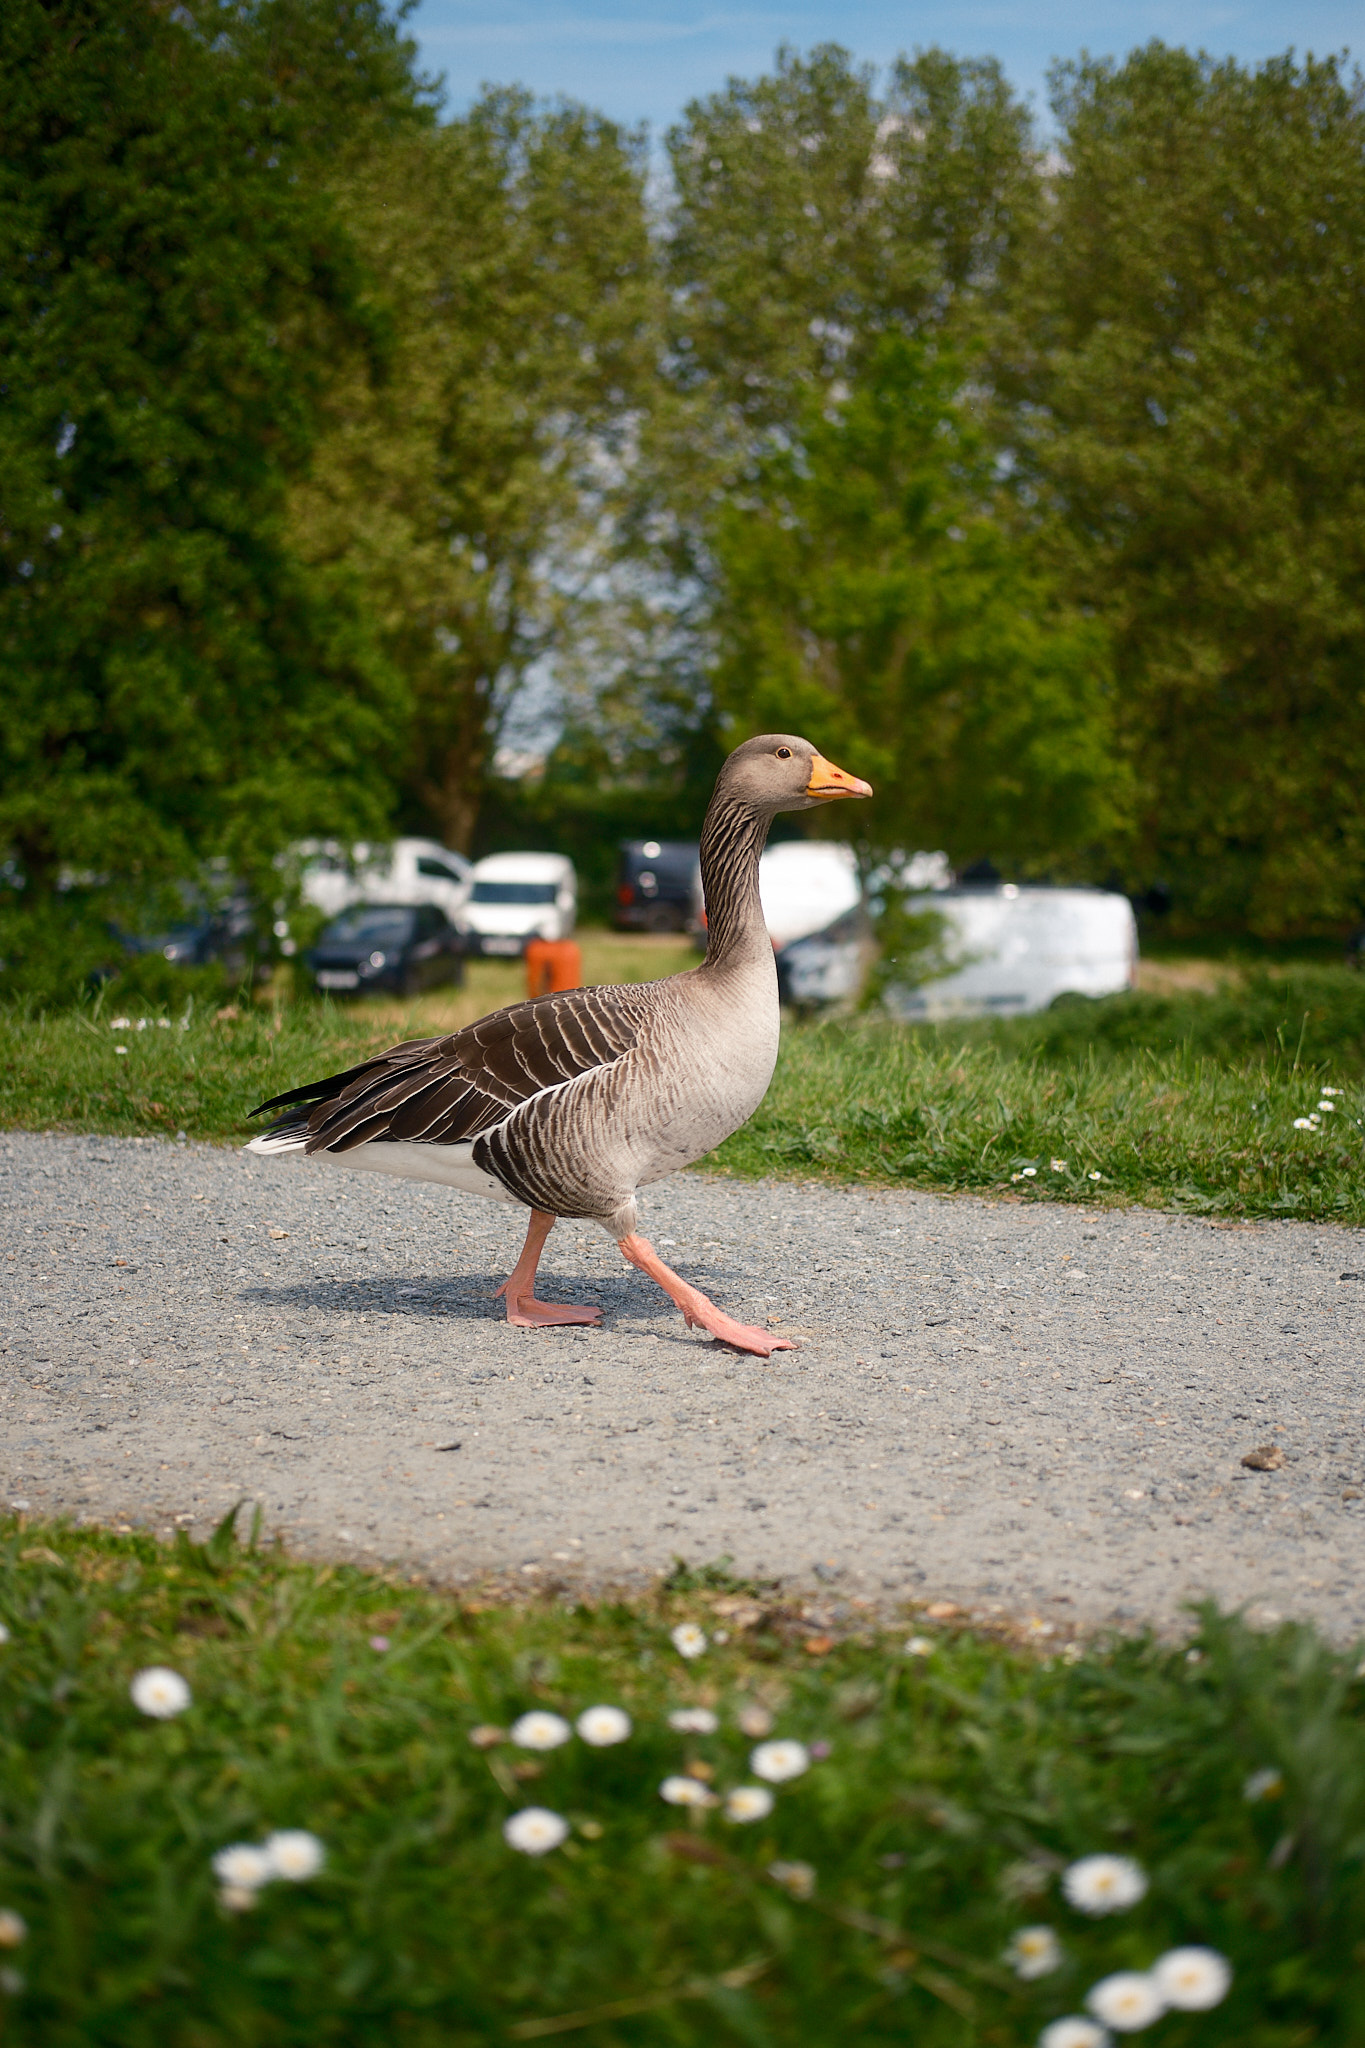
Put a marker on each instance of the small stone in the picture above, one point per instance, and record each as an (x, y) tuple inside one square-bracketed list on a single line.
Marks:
[(1265, 1458), (942, 1610), (1351, 1493)]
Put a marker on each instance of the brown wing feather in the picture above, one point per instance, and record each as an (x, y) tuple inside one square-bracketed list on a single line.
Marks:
[(445, 1091)]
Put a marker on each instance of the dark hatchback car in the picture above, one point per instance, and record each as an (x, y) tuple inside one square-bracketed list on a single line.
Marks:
[(658, 886), (398, 948)]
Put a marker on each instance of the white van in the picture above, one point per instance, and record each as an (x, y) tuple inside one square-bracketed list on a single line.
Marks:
[(514, 897), (1017, 949), (405, 871), (806, 885)]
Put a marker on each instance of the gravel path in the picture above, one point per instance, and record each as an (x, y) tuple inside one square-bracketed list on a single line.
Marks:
[(1027, 1409)]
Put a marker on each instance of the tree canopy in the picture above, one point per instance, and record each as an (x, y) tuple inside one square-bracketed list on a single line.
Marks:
[(174, 281), (340, 448), (1185, 366)]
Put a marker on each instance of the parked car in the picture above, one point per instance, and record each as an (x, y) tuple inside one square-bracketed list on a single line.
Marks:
[(401, 948), (803, 882), (1018, 949), (515, 897), (658, 886), (407, 871), (222, 932)]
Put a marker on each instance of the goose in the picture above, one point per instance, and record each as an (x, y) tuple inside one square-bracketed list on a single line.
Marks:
[(571, 1102)]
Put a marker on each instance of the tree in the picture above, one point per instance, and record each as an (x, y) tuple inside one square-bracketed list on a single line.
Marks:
[(1188, 362), (814, 214), (174, 283), (872, 600), (469, 490)]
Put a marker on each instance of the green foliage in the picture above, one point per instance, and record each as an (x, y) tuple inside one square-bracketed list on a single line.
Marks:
[(956, 1787), (814, 215), (1185, 367), (173, 283), (462, 489), (869, 598)]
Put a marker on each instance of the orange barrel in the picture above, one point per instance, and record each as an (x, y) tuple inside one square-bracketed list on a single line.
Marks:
[(552, 964)]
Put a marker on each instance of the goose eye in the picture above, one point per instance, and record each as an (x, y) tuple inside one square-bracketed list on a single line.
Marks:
[(784, 753)]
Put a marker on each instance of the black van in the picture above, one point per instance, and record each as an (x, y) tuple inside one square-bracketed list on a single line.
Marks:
[(658, 886)]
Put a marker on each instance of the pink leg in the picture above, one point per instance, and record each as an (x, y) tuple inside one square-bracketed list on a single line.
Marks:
[(520, 1285), (697, 1310)]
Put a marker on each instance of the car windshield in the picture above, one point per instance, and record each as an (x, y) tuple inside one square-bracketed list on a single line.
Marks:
[(513, 892), (366, 926)]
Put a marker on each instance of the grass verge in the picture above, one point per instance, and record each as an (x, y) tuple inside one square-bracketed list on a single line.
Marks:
[(947, 1792), (1187, 1102)]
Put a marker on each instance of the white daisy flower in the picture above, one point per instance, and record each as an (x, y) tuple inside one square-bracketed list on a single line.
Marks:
[(1104, 1884), (694, 1721), (13, 1928), (294, 1854), (1127, 2001), (1029, 1173), (122, 1051), (1073, 2033), (920, 1646), (120, 1023), (754, 1721), (688, 1639), (243, 1867), (540, 1731), (1034, 1952), (1327, 1108), (1193, 1979), (687, 1792), (602, 1726), (162, 1694), (778, 1761), (1089, 1176), (797, 1878), (1334, 1091), (748, 1802), (4, 1633), (1058, 1165), (1305, 1123), (1267, 1784), (236, 1898), (535, 1830)]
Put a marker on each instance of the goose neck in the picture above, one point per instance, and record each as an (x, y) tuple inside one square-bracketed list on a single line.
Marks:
[(732, 839)]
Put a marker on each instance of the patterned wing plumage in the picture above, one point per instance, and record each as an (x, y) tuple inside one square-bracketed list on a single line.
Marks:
[(447, 1091)]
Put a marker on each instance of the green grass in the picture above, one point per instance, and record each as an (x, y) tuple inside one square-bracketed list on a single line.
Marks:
[(956, 1787), (1173, 1130), (1181, 1102)]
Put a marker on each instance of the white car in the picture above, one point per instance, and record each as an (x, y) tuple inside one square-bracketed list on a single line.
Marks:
[(405, 871), (515, 897), (805, 886), (1017, 949)]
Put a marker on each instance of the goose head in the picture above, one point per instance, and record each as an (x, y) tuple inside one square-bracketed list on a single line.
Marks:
[(779, 771)]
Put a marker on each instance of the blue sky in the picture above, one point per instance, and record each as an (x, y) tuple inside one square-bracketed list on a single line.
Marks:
[(644, 59)]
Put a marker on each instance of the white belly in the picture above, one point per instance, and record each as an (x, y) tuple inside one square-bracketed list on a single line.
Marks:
[(450, 1166)]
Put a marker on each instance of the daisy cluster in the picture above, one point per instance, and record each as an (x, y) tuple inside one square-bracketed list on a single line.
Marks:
[(1054, 1166), (1326, 1107), (535, 1829), (243, 1868), (1183, 1980)]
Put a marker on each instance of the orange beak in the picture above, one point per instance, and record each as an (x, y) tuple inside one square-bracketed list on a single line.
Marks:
[(827, 781)]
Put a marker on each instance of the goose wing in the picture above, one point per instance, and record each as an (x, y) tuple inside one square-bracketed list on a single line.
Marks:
[(447, 1091)]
